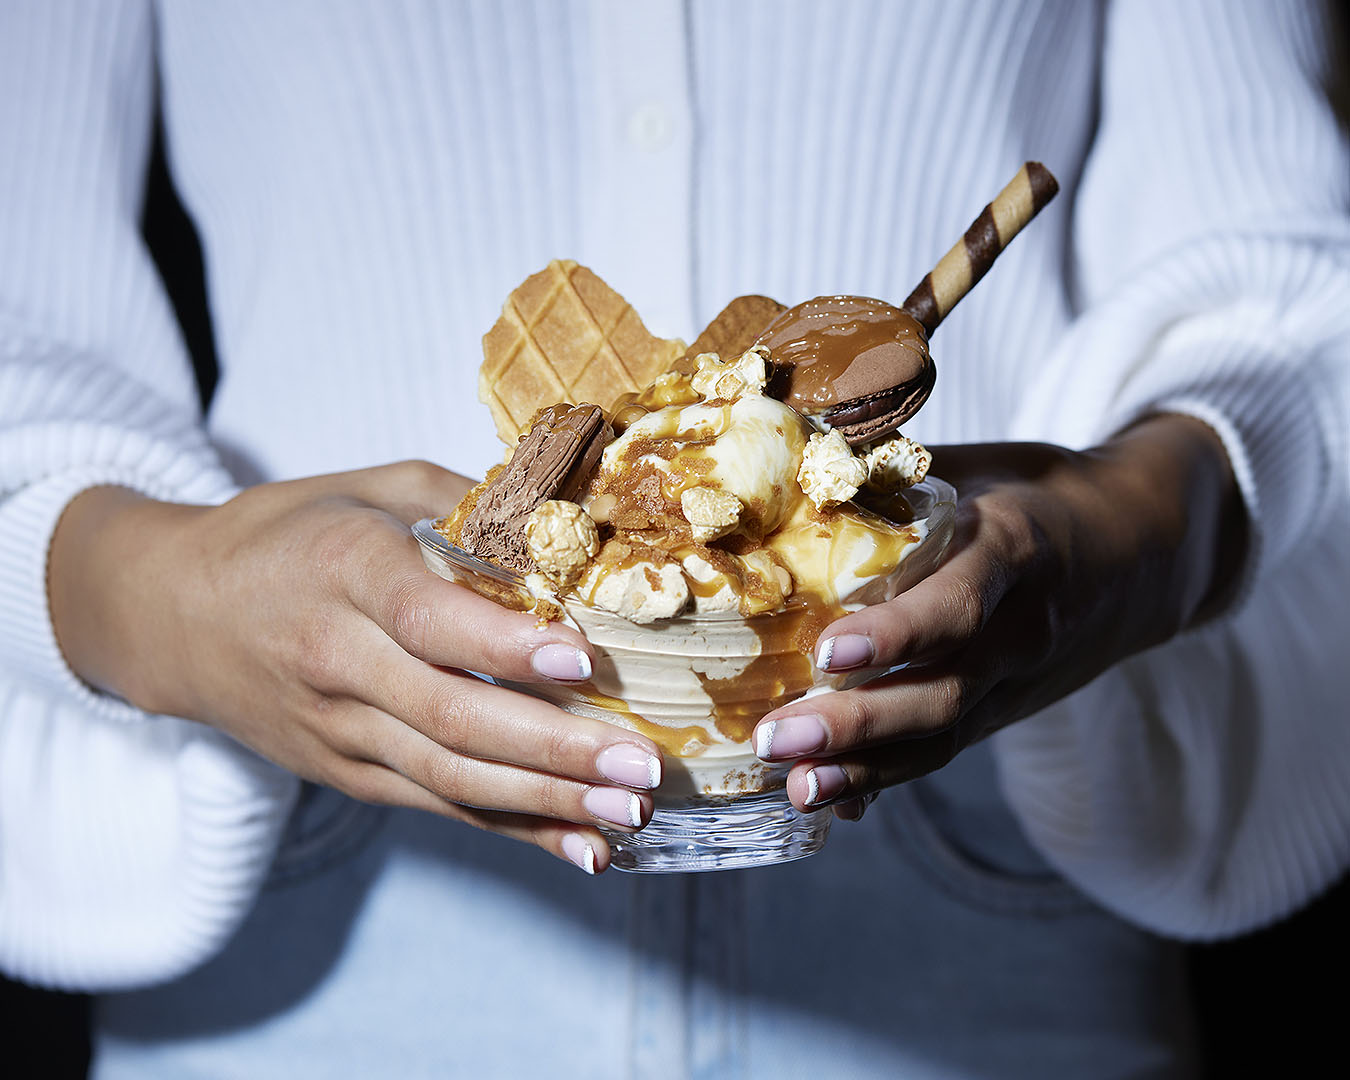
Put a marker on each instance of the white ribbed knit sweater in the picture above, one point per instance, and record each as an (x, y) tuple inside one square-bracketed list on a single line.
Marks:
[(369, 182)]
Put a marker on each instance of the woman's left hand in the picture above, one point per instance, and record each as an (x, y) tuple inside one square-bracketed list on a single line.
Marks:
[(1063, 564)]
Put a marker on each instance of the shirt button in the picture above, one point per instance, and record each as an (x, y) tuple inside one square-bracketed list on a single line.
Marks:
[(650, 127)]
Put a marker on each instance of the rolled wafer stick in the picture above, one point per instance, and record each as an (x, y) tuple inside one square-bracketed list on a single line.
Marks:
[(972, 256)]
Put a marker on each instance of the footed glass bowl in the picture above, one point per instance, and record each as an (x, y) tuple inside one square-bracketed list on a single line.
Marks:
[(696, 685)]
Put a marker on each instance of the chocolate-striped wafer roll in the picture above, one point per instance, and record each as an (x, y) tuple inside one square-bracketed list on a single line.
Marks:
[(973, 255)]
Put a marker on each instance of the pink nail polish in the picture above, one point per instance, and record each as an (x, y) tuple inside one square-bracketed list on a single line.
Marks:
[(789, 736), (561, 662), (579, 851), (844, 651), (824, 783), (614, 805), (629, 765)]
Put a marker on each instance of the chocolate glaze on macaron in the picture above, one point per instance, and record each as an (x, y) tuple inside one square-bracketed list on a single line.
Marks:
[(860, 365)]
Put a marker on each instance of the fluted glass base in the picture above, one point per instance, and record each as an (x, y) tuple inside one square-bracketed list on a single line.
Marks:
[(752, 830)]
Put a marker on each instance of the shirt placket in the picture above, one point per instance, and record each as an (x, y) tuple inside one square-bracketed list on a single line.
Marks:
[(638, 236), (638, 231)]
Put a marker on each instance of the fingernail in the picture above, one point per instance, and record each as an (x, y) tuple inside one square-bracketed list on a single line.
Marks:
[(852, 810), (612, 804), (844, 651), (561, 662), (629, 765), (824, 783), (576, 848), (789, 736)]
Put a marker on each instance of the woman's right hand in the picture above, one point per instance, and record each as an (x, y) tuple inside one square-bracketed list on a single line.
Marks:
[(299, 618)]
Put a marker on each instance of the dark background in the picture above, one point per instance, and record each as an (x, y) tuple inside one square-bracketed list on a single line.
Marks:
[(1268, 1001)]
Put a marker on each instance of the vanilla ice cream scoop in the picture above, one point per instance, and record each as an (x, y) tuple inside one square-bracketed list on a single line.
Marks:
[(749, 448), (745, 494)]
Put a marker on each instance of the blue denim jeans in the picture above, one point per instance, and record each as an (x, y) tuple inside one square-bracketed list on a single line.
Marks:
[(929, 940)]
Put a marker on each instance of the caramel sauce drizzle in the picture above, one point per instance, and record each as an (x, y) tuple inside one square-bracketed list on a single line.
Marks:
[(815, 345), (690, 741), (780, 673)]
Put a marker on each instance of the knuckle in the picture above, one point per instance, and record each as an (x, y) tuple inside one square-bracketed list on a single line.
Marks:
[(858, 724), (343, 730), (897, 637), (362, 784), (862, 777), (445, 774), (340, 540), (453, 714), (421, 479), (968, 608), (948, 705), (411, 618), (558, 799), (558, 747), (320, 657), (1018, 536), (419, 470)]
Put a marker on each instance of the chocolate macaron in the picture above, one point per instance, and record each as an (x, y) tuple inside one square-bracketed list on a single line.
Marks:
[(859, 365), (862, 366)]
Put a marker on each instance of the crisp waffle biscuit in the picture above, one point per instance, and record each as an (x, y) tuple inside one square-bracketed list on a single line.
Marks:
[(564, 335), (733, 331)]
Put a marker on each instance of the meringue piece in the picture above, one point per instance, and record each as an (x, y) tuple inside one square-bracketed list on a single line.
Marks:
[(712, 590), (641, 593), (710, 512)]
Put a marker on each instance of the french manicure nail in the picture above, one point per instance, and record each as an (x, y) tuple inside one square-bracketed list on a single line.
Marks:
[(844, 651), (629, 765), (576, 848), (824, 783), (789, 736), (612, 804), (561, 662)]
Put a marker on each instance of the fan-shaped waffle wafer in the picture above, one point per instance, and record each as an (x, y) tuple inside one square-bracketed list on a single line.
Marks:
[(564, 335)]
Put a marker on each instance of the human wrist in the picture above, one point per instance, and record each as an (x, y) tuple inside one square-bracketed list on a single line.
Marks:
[(1171, 474), (112, 578)]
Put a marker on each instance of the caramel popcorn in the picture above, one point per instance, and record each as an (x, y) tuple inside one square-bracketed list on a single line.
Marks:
[(747, 374), (562, 540), (898, 462), (829, 473)]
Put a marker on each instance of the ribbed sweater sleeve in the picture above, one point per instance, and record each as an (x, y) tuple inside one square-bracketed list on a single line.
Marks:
[(130, 846), (1212, 252)]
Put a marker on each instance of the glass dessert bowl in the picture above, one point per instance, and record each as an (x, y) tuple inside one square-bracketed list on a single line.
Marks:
[(697, 684)]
